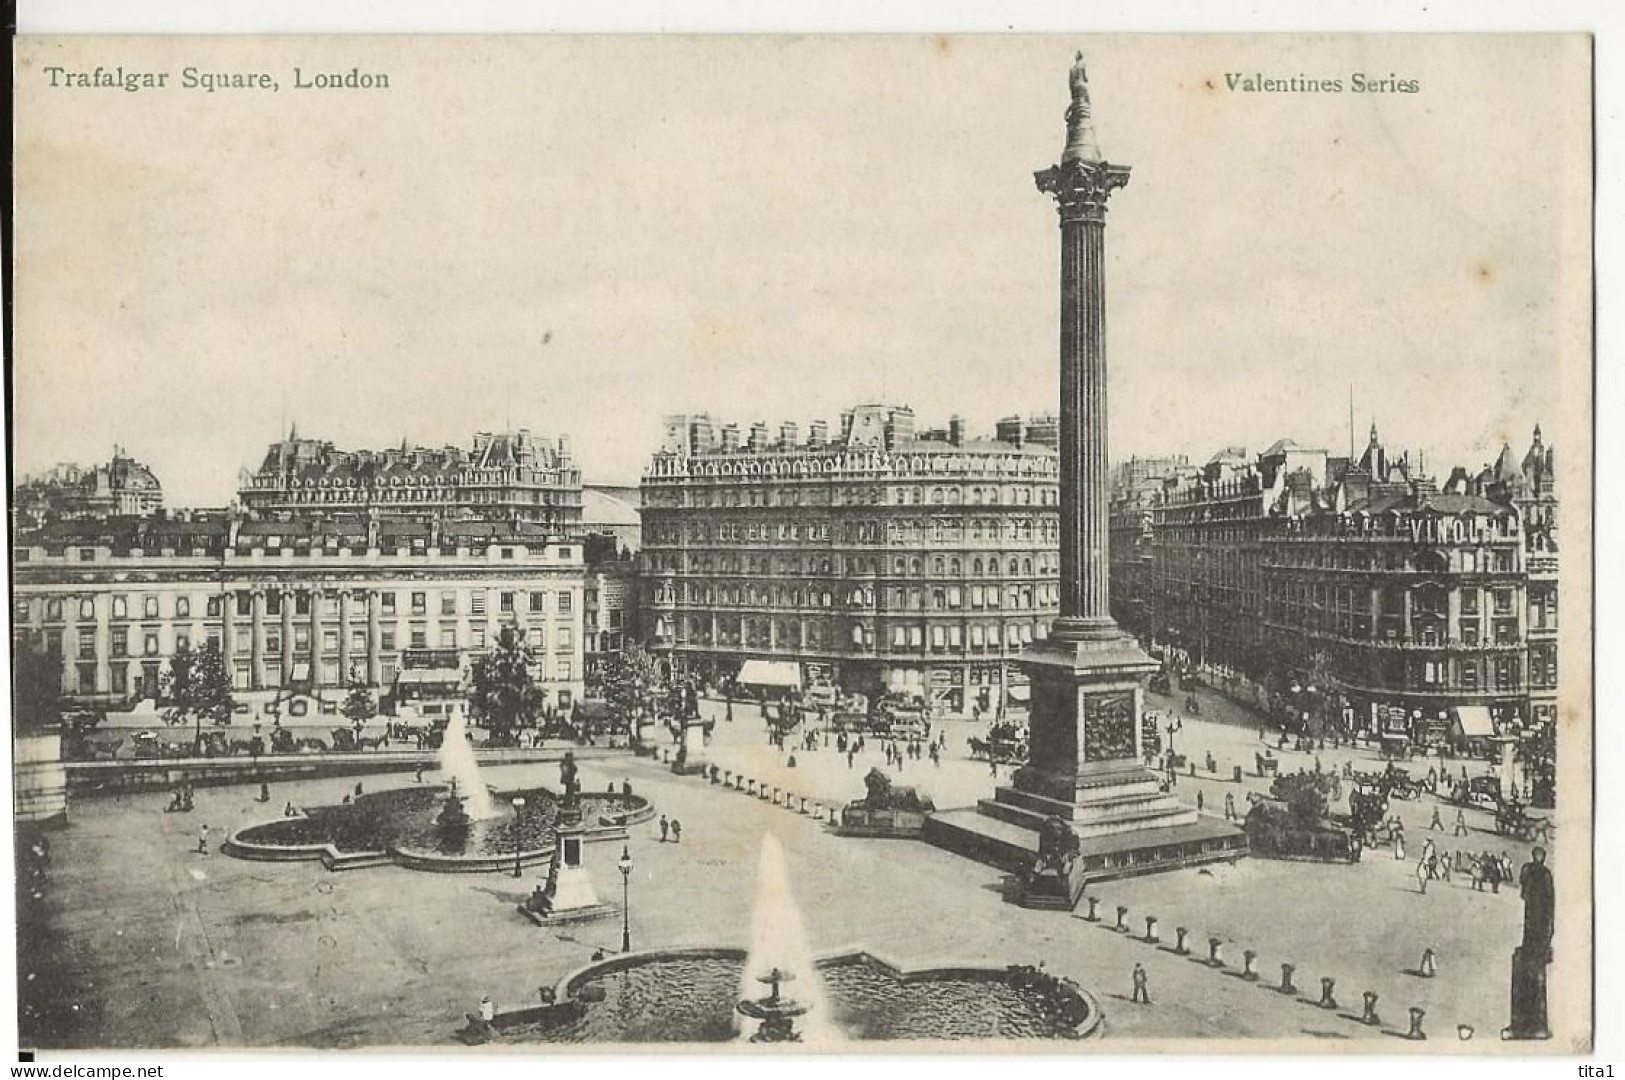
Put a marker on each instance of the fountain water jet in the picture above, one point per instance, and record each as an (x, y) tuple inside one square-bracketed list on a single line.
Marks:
[(778, 944), (457, 760)]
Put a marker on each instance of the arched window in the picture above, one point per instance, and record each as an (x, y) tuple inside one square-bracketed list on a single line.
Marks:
[(1015, 566), (976, 567)]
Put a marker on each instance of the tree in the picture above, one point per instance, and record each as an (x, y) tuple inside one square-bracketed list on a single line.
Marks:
[(502, 694), (36, 689), (359, 706), (198, 689), (628, 679)]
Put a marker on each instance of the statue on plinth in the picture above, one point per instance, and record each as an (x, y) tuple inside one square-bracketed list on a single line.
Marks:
[(1530, 958)]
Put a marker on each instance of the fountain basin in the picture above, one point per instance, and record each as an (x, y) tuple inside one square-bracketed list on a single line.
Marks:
[(690, 996), (398, 827)]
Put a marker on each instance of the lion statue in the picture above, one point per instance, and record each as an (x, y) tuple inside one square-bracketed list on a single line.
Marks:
[(1057, 848), (883, 795)]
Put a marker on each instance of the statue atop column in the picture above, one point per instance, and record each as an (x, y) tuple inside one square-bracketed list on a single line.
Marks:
[(1080, 128)]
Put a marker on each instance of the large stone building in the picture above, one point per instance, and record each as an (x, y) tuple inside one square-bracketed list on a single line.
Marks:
[(1417, 608), (295, 606), (875, 556), (122, 486), (512, 476)]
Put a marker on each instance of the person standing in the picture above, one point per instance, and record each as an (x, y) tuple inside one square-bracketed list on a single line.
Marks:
[(203, 839), (1199, 800), (1399, 840), (1436, 822), (1229, 806), (665, 829), (676, 831), (1461, 823), (1141, 995)]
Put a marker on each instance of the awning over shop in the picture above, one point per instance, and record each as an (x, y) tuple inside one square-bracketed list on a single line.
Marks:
[(1475, 721), (776, 673), (1018, 692)]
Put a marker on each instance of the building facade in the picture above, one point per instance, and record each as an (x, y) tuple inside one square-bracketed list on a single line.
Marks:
[(294, 607), (877, 557), (609, 612), (122, 486), (511, 476), (1417, 609)]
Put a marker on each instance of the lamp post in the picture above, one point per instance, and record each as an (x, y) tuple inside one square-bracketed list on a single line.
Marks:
[(626, 893), (518, 836)]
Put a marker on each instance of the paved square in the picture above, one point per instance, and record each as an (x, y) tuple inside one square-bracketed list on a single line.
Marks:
[(152, 945)]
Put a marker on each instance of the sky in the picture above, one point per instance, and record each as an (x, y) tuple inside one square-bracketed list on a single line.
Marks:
[(580, 236)]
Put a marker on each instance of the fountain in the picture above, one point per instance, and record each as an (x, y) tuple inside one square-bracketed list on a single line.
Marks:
[(453, 817), (457, 759), (778, 944), (777, 1014)]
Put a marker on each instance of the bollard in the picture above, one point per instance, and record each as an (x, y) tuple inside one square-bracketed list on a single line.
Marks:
[(1151, 929), (727, 777), (1122, 917), (1179, 944), (1286, 979), (1248, 971), (750, 787), (1327, 1000), (1429, 966), (804, 804), (1094, 905), (1215, 957), (1416, 1031), (1369, 1013)]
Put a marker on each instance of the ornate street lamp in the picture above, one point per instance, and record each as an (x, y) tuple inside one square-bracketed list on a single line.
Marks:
[(626, 893), (518, 836)]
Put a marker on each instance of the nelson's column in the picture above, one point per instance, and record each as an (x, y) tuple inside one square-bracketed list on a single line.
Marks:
[(1084, 807)]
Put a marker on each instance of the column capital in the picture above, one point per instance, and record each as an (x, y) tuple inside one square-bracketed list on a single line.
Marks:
[(1081, 188)]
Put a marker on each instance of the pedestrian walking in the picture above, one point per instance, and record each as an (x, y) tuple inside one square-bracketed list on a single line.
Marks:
[(665, 829), (1141, 995), (1399, 843), (676, 831), (420, 774), (1436, 823), (203, 840), (1422, 876), (1444, 866), (1461, 823)]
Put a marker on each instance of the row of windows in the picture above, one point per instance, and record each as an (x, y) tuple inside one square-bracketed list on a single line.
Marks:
[(859, 495), (83, 645), (901, 531), (790, 635), (124, 678), (449, 603)]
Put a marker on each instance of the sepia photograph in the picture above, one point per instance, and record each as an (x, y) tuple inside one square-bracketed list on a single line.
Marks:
[(1041, 544)]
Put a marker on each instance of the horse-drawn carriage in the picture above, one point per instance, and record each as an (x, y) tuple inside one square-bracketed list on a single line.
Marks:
[(1006, 744), (1513, 820)]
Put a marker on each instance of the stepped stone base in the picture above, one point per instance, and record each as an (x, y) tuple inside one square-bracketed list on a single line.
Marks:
[(1103, 857)]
